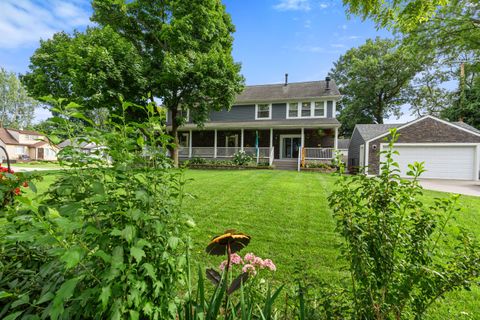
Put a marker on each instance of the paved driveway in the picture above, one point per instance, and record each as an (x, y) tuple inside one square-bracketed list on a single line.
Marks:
[(469, 188)]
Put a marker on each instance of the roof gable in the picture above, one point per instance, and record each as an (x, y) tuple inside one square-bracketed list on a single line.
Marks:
[(291, 91), (453, 124), (370, 131)]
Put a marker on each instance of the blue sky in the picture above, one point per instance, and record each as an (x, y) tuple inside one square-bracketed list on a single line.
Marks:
[(299, 37)]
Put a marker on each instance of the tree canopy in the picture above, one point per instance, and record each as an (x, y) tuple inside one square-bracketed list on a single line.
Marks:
[(92, 69), (373, 80), (185, 46), (16, 107)]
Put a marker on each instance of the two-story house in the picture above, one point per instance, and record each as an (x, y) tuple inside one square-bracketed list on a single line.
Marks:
[(272, 122), (26, 145)]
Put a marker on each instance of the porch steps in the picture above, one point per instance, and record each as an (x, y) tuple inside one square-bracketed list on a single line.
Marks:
[(285, 164)]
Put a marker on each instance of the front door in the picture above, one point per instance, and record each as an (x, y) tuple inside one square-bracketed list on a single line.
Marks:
[(290, 147)]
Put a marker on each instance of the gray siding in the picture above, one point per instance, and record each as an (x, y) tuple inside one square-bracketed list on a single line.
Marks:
[(354, 149), (330, 109), (244, 113), (279, 111), (236, 113)]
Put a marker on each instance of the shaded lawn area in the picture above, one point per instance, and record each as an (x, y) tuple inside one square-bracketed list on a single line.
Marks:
[(288, 217)]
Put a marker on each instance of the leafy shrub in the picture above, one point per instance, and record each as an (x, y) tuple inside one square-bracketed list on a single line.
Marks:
[(393, 245), (197, 161), (241, 158), (105, 241)]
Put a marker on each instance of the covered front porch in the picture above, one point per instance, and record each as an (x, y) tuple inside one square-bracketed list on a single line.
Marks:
[(265, 145)]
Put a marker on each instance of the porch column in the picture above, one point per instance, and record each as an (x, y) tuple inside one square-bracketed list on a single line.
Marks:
[(215, 144), (241, 140), (303, 138), (335, 143), (190, 138), (271, 138)]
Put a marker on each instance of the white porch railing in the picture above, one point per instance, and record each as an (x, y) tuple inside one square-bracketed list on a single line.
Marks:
[(228, 152), (203, 152), (319, 153)]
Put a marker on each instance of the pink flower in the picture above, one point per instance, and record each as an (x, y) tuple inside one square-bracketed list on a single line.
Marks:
[(267, 263), (258, 262), (249, 257), (236, 259), (250, 269)]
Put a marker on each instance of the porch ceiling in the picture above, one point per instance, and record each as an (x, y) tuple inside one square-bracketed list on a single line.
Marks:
[(267, 124)]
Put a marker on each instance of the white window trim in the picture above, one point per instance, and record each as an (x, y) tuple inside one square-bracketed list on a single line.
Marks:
[(312, 110), (229, 136), (269, 111)]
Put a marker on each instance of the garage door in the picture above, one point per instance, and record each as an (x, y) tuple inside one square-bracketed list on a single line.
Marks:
[(441, 162)]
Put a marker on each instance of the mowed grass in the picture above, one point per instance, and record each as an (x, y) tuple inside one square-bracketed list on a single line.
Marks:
[(288, 217)]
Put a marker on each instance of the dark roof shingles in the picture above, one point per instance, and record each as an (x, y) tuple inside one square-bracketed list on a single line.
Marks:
[(370, 131), (282, 92)]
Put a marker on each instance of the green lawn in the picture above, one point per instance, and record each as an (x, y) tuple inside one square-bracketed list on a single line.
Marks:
[(37, 164), (288, 217)]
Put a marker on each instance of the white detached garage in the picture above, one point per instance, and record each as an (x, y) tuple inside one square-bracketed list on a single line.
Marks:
[(449, 161), (449, 150)]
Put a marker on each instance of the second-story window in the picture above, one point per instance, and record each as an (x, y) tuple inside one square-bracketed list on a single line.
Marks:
[(306, 109), (319, 109), (293, 110), (263, 111)]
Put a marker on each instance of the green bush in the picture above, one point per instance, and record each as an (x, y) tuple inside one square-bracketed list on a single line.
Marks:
[(393, 245), (108, 238), (241, 158)]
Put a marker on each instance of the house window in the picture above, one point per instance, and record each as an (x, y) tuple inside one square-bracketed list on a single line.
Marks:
[(263, 111), (20, 150), (183, 140), (319, 109), (306, 109), (293, 110)]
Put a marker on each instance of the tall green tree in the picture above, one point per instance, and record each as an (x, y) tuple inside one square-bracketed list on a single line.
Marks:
[(374, 79), (403, 15), (17, 108), (92, 68), (186, 47)]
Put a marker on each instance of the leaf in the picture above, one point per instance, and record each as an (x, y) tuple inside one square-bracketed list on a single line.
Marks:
[(150, 271), (24, 299), (62, 295), (4, 294), (241, 279), (46, 297), (140, 141), (72, 257), (13, 316), (98, 188), (105, 296), (173, 242), (128, 233), (102, 254), (213, 276), (137, 253), (134, 315)]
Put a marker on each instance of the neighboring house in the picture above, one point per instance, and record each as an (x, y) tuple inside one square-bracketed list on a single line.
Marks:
[(278, 118), (84, 146), (450, 150), (26, 145)]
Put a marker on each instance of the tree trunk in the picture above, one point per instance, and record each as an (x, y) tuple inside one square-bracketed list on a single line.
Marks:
[(174, 154)]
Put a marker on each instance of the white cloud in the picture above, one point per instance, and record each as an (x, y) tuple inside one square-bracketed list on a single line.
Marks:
[(344, 27), (293, 5), (323, 5), (24, 22), (307, 24), (353, 37), (337, 45)]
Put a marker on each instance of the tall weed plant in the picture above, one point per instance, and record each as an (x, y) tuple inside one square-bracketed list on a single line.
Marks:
[(107, 240), (394, 245)]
